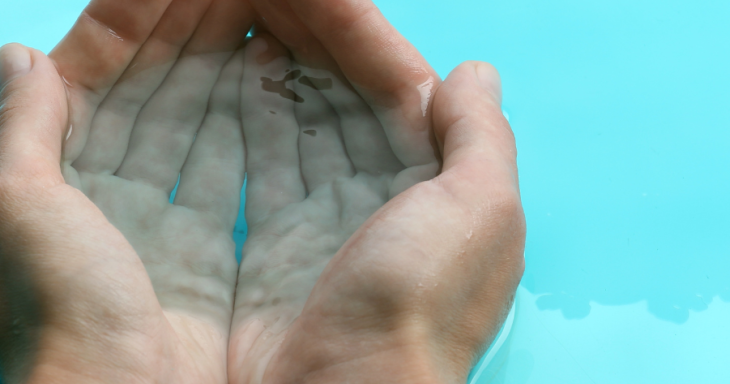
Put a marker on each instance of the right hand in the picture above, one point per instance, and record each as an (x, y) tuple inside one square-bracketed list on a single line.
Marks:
[(362, 265)]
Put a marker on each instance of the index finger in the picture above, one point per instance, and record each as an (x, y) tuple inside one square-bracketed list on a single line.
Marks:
[(104, 40)]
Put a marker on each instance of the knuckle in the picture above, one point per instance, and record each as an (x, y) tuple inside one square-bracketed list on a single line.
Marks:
[(7, 111), (508, 216), (15, 102), (506, 204)]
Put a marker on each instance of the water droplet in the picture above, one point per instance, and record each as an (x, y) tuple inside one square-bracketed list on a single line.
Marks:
[(505, 114), (425, 90), (113, 34)]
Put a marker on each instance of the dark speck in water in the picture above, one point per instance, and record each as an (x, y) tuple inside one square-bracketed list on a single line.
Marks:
[(272, 112), (316, 83), (279, 86), (311, 132)]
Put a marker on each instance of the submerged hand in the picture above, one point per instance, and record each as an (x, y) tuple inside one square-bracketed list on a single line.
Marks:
[(362, 265), (350, 131), (125, 286)]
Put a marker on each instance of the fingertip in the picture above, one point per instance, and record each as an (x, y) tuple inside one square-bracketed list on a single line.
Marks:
[(34, 113), (266, 48), (15, 61), (474, 78), (467, 112), (489, 79), (12, 45)]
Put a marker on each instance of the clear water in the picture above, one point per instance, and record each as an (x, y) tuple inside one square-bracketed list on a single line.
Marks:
[(620, 112)]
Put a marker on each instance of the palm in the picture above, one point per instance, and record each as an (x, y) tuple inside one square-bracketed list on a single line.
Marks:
[(348, 129), (130, 163), (319, 164), (151, 103), (356, 270)]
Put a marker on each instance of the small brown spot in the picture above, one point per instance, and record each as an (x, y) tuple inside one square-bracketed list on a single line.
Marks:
[(279, 86), (272, 112), (292, 75), (276, 301), (311, 132)]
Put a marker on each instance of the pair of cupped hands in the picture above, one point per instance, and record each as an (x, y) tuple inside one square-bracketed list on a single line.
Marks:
[(385, 226)]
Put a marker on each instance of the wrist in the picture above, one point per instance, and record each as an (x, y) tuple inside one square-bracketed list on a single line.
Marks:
[(95, 357), (399, 356)]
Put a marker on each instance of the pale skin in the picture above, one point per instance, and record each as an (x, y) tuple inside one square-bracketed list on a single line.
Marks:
[(385, 226)]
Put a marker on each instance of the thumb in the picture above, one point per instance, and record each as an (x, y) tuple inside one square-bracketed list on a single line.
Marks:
[(33, 116), (480, 173), (478, 145)]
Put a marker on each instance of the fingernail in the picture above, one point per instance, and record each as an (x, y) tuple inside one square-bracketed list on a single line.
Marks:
[(489, 80), (14, 61)]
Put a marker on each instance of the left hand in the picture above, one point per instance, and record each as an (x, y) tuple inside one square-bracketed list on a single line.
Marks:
[(131, 288)]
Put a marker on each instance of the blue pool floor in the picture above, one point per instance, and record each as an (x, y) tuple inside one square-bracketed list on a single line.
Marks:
[(620, 113)]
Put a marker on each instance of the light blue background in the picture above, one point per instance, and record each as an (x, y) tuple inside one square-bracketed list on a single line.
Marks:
[(620, 109)]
